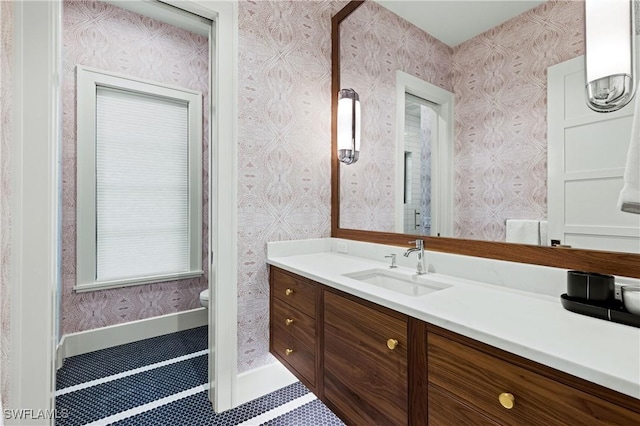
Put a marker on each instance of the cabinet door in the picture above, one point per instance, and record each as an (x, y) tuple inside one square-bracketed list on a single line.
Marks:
[(300, 358), (446, 410), (293, 326), (292, 321), (294, 290), (365, 382), (480, 379)]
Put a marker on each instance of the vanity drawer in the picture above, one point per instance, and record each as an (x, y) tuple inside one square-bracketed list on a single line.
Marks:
[(478, 379), (297, 292), (365, 381), (446, 410), (292, 321), (295, 354)]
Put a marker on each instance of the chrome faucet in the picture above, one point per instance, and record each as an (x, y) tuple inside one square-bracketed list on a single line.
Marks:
[(420, 269)]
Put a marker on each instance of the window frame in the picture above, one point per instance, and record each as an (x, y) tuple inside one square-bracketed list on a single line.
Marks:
[(87, 81)]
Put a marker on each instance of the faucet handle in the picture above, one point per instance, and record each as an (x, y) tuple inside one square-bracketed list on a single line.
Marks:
[(393, 260), (419, 243)]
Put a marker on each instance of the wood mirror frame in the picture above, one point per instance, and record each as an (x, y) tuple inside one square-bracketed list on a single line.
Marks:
[(622, 264)]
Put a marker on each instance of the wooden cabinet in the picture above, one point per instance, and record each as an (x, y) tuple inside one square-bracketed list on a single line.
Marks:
[(293, 325), (495, 386), (365, 361), (340, 347)]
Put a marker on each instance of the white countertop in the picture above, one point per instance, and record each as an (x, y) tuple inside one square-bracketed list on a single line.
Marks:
[(531, 325)]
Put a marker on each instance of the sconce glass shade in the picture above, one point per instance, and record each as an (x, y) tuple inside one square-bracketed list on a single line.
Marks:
[(610, 56), (348, 126)]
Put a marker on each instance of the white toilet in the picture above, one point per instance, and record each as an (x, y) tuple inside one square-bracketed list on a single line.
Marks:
[(204, 298)]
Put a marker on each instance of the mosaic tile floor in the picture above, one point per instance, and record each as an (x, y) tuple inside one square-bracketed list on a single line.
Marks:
[(162, 381)]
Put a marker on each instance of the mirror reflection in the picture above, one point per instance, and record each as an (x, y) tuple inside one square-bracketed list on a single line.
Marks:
[(487, 173), (420, 127)]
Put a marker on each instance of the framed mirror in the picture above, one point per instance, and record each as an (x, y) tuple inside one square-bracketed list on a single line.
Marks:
[(484, 166)]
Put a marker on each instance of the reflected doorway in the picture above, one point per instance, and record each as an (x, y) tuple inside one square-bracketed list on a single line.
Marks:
[(420, 130), (424, 158)]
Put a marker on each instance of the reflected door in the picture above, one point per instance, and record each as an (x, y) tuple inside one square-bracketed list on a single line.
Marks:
[(420, 130), (424, 158), (587, 156)]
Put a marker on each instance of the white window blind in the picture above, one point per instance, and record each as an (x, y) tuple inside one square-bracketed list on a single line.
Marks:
[(142, 185), (139, 185)]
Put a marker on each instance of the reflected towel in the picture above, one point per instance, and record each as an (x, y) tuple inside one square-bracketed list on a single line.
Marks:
[(523, 231), (629, 200), (543, 233)]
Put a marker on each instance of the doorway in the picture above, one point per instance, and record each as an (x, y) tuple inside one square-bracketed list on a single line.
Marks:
[(37, 95), (424, 157), (420, 133)]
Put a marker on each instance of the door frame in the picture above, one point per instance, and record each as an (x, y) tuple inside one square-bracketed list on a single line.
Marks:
[(35, 172), (441, 153), (35, 184)]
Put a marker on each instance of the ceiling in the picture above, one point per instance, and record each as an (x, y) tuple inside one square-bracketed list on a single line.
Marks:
[(456, 21)]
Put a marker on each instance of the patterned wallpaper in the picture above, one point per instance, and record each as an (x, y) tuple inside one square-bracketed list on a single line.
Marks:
[(499, 82), (284, 116), (283, 147), (374, 44), (427, 119), (500, 85), (6, 67), (103, 36)]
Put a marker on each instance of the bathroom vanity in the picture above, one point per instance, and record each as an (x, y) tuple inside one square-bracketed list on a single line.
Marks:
[(375, 356)]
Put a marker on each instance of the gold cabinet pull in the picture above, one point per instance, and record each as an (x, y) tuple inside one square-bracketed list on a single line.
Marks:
[(288, 352), (288, 292), (392, 343), (288, 321), (507, 400)]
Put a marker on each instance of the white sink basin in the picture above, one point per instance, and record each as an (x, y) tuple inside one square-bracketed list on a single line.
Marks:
[(412, 285)]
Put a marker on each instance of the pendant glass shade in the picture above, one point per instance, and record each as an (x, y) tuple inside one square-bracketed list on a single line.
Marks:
[(610, 59), (348, 126)]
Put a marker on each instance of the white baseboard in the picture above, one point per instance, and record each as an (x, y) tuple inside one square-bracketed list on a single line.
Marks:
[(59, 356), (105, 337), (260, 381)]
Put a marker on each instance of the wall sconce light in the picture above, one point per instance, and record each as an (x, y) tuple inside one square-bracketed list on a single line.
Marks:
[(610, 55), (348, 126)]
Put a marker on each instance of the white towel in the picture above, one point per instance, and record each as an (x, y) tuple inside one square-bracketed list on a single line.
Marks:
[(629, 200), (523, 231)]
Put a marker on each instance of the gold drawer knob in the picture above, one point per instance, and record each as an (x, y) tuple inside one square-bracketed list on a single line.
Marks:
[(288, 292), (507, 400), (392, 343), (288, 352), (288, 321)]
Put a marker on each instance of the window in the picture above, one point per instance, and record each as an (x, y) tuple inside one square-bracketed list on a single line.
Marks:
[(139, 202)]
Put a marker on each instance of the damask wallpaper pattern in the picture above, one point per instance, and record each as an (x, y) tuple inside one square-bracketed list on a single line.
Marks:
[(284, 145), (6, 119), (103, 36), (374, 44), (500, 84)]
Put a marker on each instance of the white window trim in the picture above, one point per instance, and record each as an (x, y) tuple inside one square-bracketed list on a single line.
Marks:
[(88, 79)]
